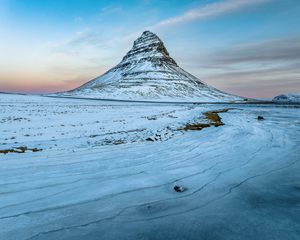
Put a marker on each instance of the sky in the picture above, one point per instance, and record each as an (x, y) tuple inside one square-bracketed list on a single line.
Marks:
[(246, 47)]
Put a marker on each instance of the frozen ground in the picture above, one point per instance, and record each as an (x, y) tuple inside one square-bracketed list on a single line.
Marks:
[(99, 176)]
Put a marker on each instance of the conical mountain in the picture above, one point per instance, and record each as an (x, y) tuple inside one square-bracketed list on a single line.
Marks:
[(147, 72)]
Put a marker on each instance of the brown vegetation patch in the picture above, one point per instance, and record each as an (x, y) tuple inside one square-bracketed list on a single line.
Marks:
[(213, 118), (195, 126), (22, 149), (113, 142)]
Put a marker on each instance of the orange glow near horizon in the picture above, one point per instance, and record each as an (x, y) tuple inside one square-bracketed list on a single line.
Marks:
[(29, 84)]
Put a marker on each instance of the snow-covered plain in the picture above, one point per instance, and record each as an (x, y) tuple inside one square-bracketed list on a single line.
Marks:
[(99, 176)]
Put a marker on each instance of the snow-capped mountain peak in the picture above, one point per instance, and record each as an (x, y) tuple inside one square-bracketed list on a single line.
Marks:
[(148, 47), (147, 72), (288, 98)]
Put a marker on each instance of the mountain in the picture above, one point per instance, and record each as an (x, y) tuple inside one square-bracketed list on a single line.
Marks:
[(289, 97), (147, 72)]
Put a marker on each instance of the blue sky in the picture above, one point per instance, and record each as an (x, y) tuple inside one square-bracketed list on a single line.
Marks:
[(246, 47)]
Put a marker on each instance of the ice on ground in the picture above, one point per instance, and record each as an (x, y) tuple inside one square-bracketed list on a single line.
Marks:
[(240, 180), (62, 124)]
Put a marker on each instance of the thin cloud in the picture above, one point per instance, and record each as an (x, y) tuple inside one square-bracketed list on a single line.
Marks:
[(78, 19), (260, 83), (86, 38), (92, 38), (210, 10), (286, 49), (78, 42), (260, 69), (110, 9)]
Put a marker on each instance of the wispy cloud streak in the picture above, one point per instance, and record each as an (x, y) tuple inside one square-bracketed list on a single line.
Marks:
[(260, 69), (210, 10), (283, 50)]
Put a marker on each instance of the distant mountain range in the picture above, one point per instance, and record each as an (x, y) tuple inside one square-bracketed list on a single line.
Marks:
[(288, 97), (147, 72)]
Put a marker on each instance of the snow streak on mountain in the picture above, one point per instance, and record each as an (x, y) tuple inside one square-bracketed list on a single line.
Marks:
[(147, 72)]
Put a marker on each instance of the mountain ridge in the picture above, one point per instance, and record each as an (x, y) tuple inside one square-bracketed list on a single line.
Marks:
[(293, 97), (148, 72)]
